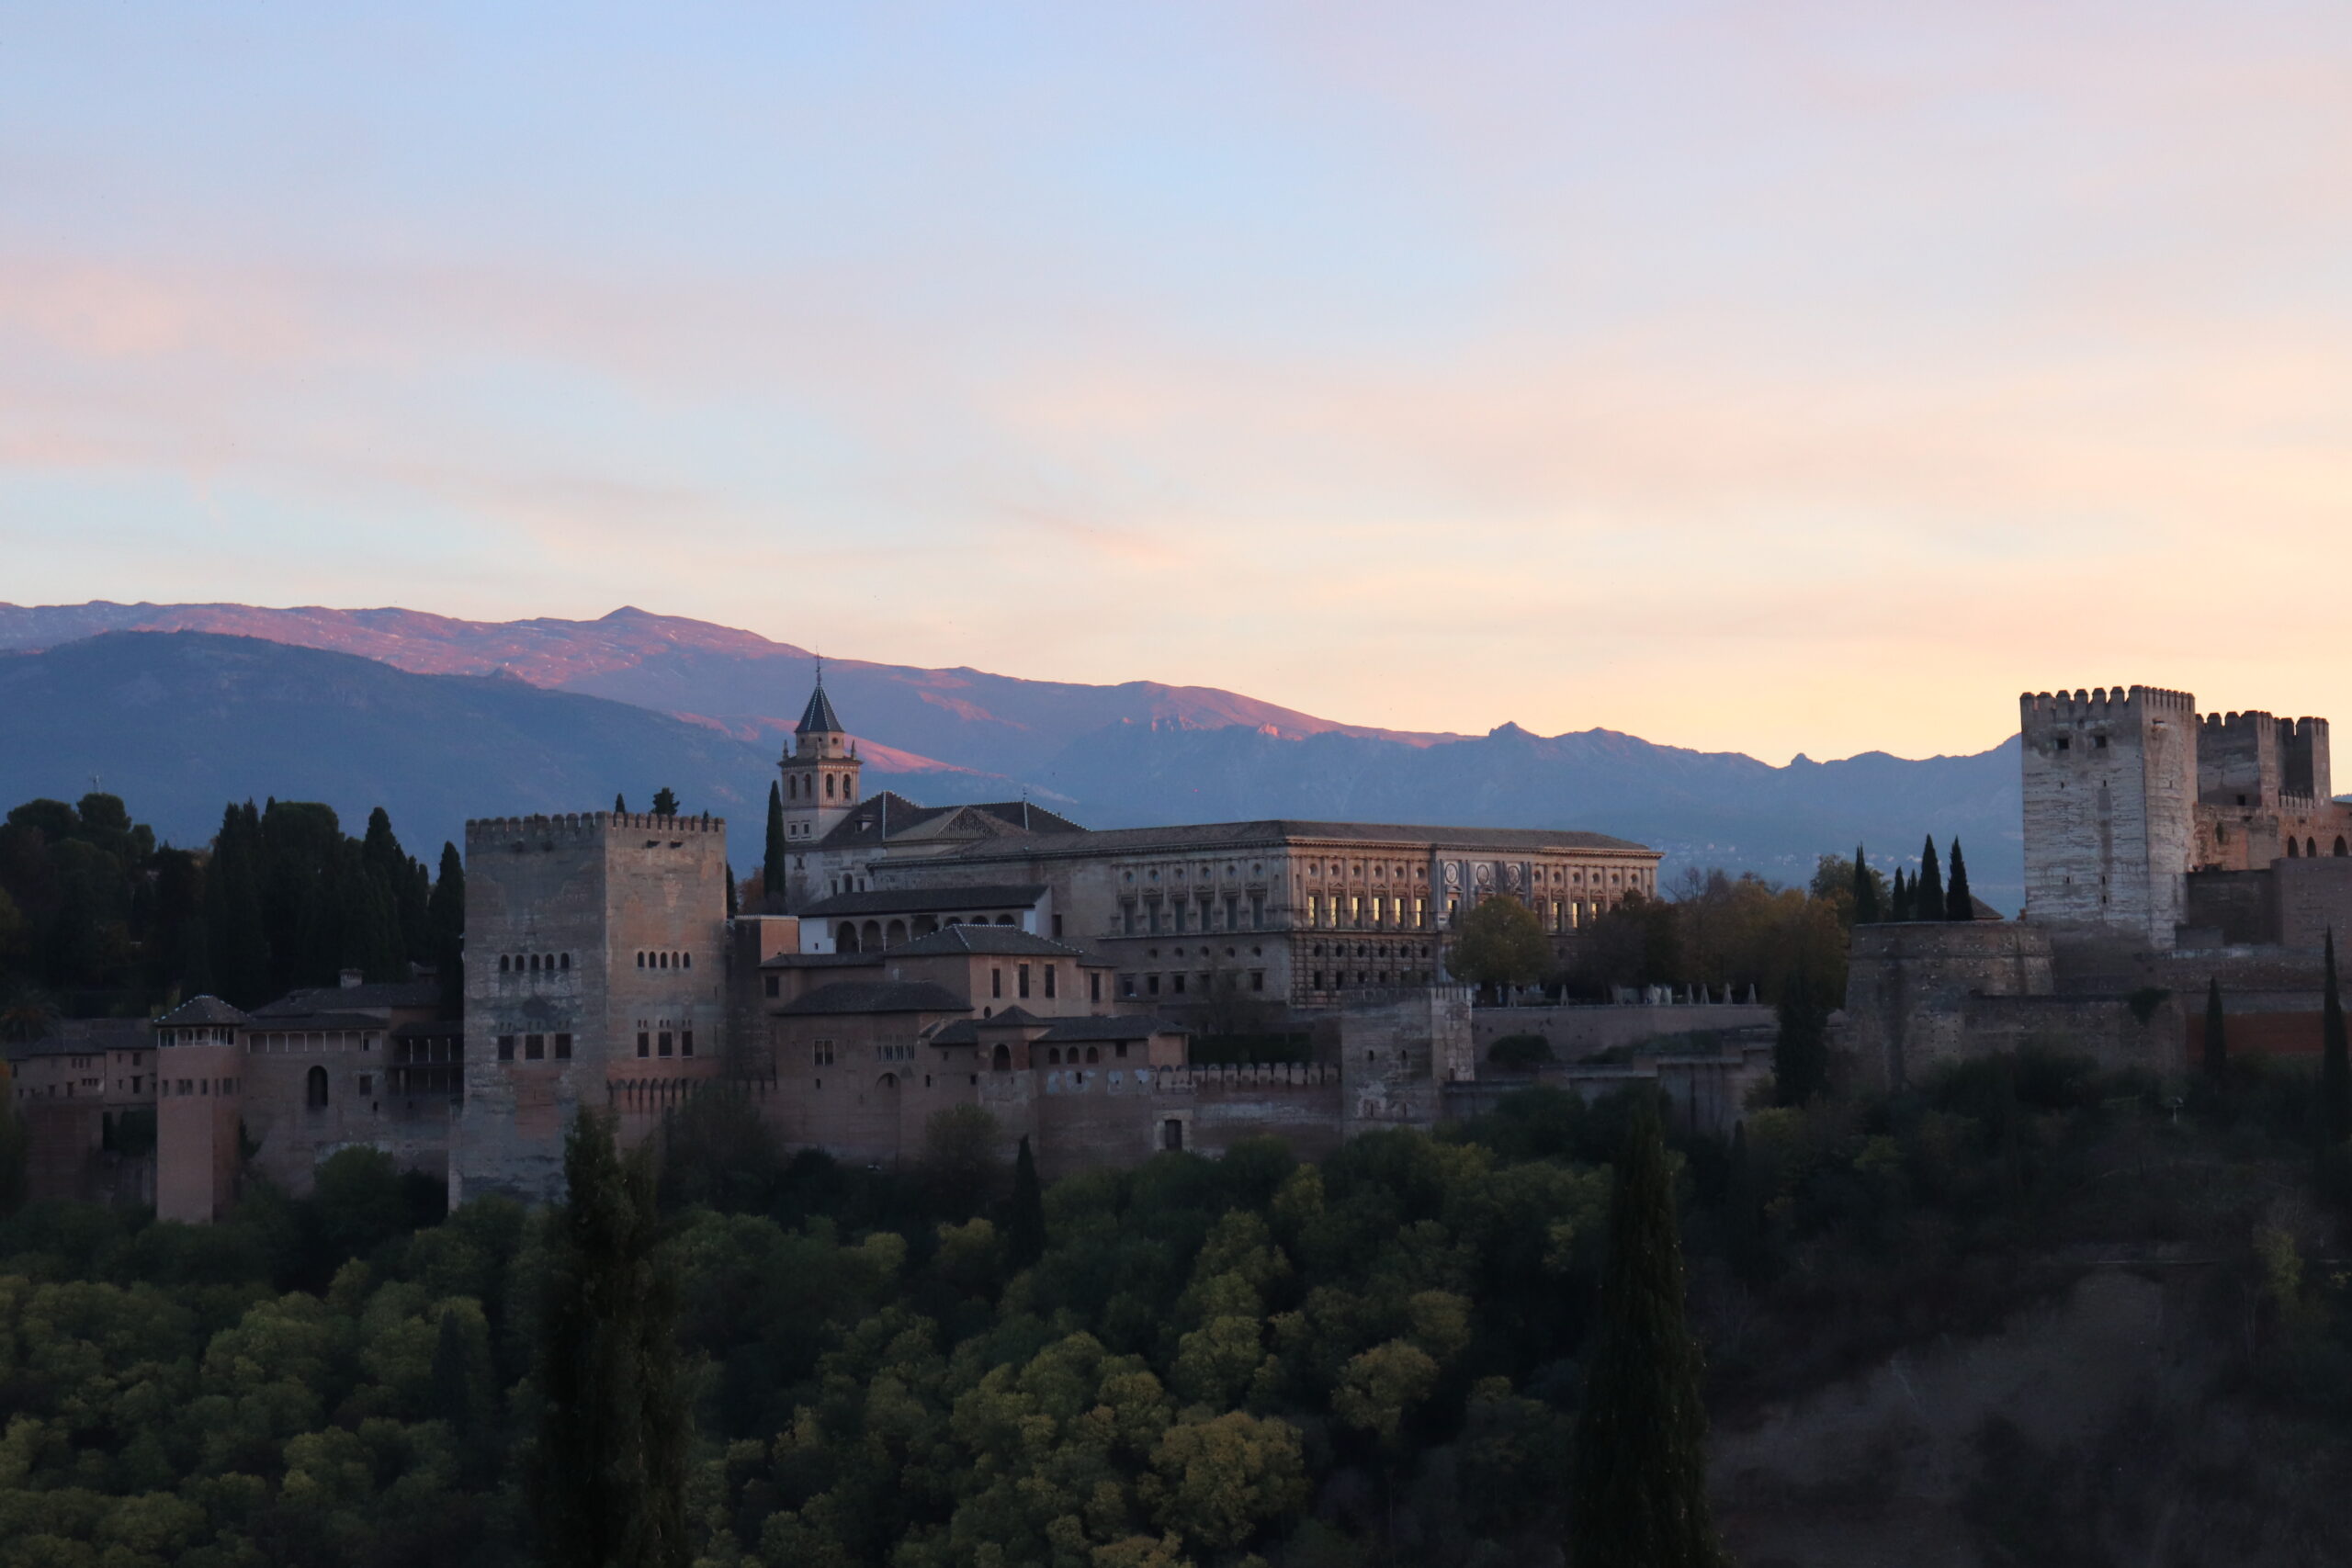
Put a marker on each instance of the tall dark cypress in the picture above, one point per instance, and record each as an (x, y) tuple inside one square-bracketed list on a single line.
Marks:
[(1025, 1226), (1959, 903), (238, 937), (772, 868), (1900, 906), (1928, 887), (1801, 1050), (2335, 1070), (620, 806), (607, 1483), (1638, 1483), (1865, 890), (2217, 1049), (445, 917), (731, 909)]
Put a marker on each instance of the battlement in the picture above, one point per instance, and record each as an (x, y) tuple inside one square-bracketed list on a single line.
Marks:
[(585, 825), (2101, 702)]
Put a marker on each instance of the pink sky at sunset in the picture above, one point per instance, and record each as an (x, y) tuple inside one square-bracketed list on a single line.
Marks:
[(1803, 378)]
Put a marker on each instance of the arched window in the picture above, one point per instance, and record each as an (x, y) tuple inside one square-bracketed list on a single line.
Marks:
[(686, 961), (829, 786), (535, 962), (1000, 1059), (897, 935), (1054, 1056), (2340, 845), (2290, 849), (2310, 848), (1094, 1054), (871, 935), (889, 1084), (1004, 919), (501, 963), (845, 939), (640, 961), (314, 1088), (563, 960)]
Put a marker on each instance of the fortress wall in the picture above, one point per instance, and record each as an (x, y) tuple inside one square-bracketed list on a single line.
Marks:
[(1907, 985), (2103, 1028), (2109, 783), (1576, 1032), (1397, 1048), (2309, 898)]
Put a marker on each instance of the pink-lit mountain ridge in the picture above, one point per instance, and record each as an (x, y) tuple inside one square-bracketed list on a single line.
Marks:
[(1114, 755)]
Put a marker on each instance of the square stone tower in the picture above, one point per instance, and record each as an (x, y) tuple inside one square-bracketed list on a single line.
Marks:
[(596, 976), (2112, 783)]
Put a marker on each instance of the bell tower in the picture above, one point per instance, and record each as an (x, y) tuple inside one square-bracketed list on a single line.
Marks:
[(820, 771)]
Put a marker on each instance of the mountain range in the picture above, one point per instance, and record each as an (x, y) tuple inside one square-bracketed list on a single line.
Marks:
[(181, 707)]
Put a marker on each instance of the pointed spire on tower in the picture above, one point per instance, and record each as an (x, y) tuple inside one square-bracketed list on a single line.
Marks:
[(818, 717)]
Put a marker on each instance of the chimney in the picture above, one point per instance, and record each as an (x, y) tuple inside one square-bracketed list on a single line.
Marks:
[(351, 978)]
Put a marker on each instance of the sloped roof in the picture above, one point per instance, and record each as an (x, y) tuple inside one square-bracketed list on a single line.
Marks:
[(876, 996), (1008, 941), (1271, 831), (1063, 1031), (931, 900), (986, 821), (818, 718), (306, 1000), (200, 1011)]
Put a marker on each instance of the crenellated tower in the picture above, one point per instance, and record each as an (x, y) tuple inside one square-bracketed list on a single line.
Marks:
[(2112, 780), (820, 771)]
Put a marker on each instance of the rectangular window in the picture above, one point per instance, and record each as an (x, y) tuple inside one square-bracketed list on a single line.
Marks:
[(563, 1047), (1257, 979), (661, 1047), (366, 1083), (1176, 983), (1126, 985), (1049, 979), (506, 1047), (1232, 914), (775, 984), (686, 1043), (535, 1047), (1094, 986), (1151, 984), (995, 982), (644, 1044), (1257, 911), (1057, 928), (1023, 978)]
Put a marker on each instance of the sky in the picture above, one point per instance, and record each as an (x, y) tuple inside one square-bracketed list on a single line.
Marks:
[(1776, 378)]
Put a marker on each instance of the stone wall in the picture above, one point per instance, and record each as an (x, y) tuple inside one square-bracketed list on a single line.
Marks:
[(1397, 1048), (2105, 1028), (2309, 898), (1908, 983), (1577, 1033), (2111, 782)]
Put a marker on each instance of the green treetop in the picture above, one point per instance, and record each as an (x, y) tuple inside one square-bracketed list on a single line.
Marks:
[(1499, 942)]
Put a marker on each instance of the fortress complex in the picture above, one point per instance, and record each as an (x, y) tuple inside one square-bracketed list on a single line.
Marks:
[(2164, 851), (993, 955)]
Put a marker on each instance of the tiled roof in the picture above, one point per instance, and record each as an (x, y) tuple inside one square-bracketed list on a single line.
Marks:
[(198, 1011), (1010, 940), (1272, 831), (876, 996), (261, 1022), (903, 819), (926, 900), (1062, 1031), (309, 999), (818, 718), (821, 961)]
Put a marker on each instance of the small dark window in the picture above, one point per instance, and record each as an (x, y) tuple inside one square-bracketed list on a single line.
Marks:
[(563, 960), (1094, 1054), (506, 1047), (1057, 928), (1095, 987), (775, 984), (501, 963), (665, 961), (1172, 1135), (995, 982), (563, 1047), (314, 1088), (686, 1043), (1176, 983), (532, 964), (2099, 743), (1151, 984), (640, 961), (644, 1044), (1049, 979), (1054, 1057), (1023, 978), (686, 961), (662, 1048), (2061, 743), (535, 1047), (1257, 979)]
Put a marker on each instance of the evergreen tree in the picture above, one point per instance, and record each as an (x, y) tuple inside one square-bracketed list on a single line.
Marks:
[(665, 802), (1928, 887), (1638, 1483), (464, 1383), (731, 911), (233, 909), (1865, 890), (620, 806), (1899, 905), (1025, 1228), (2335, 1070), (2217, 1050), (772, 868), (1959, 903), (446, 920), (608, 1484), (1800, 1052)]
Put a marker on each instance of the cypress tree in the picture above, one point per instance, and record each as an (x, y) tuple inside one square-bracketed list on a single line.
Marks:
[(1025, 1228), (234, 926), (2335, 1070), (620, 806), (607, 1483), (1959, 903), (1865, 890), (1928, 887), (1900, 904), (2217, 1050), (665, 802), (772, 868), (1638, 1482), (445, 917), (1800, 1052), (731, 909)]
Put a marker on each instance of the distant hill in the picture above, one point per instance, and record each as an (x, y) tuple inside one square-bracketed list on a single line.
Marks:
[(178, 723)]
